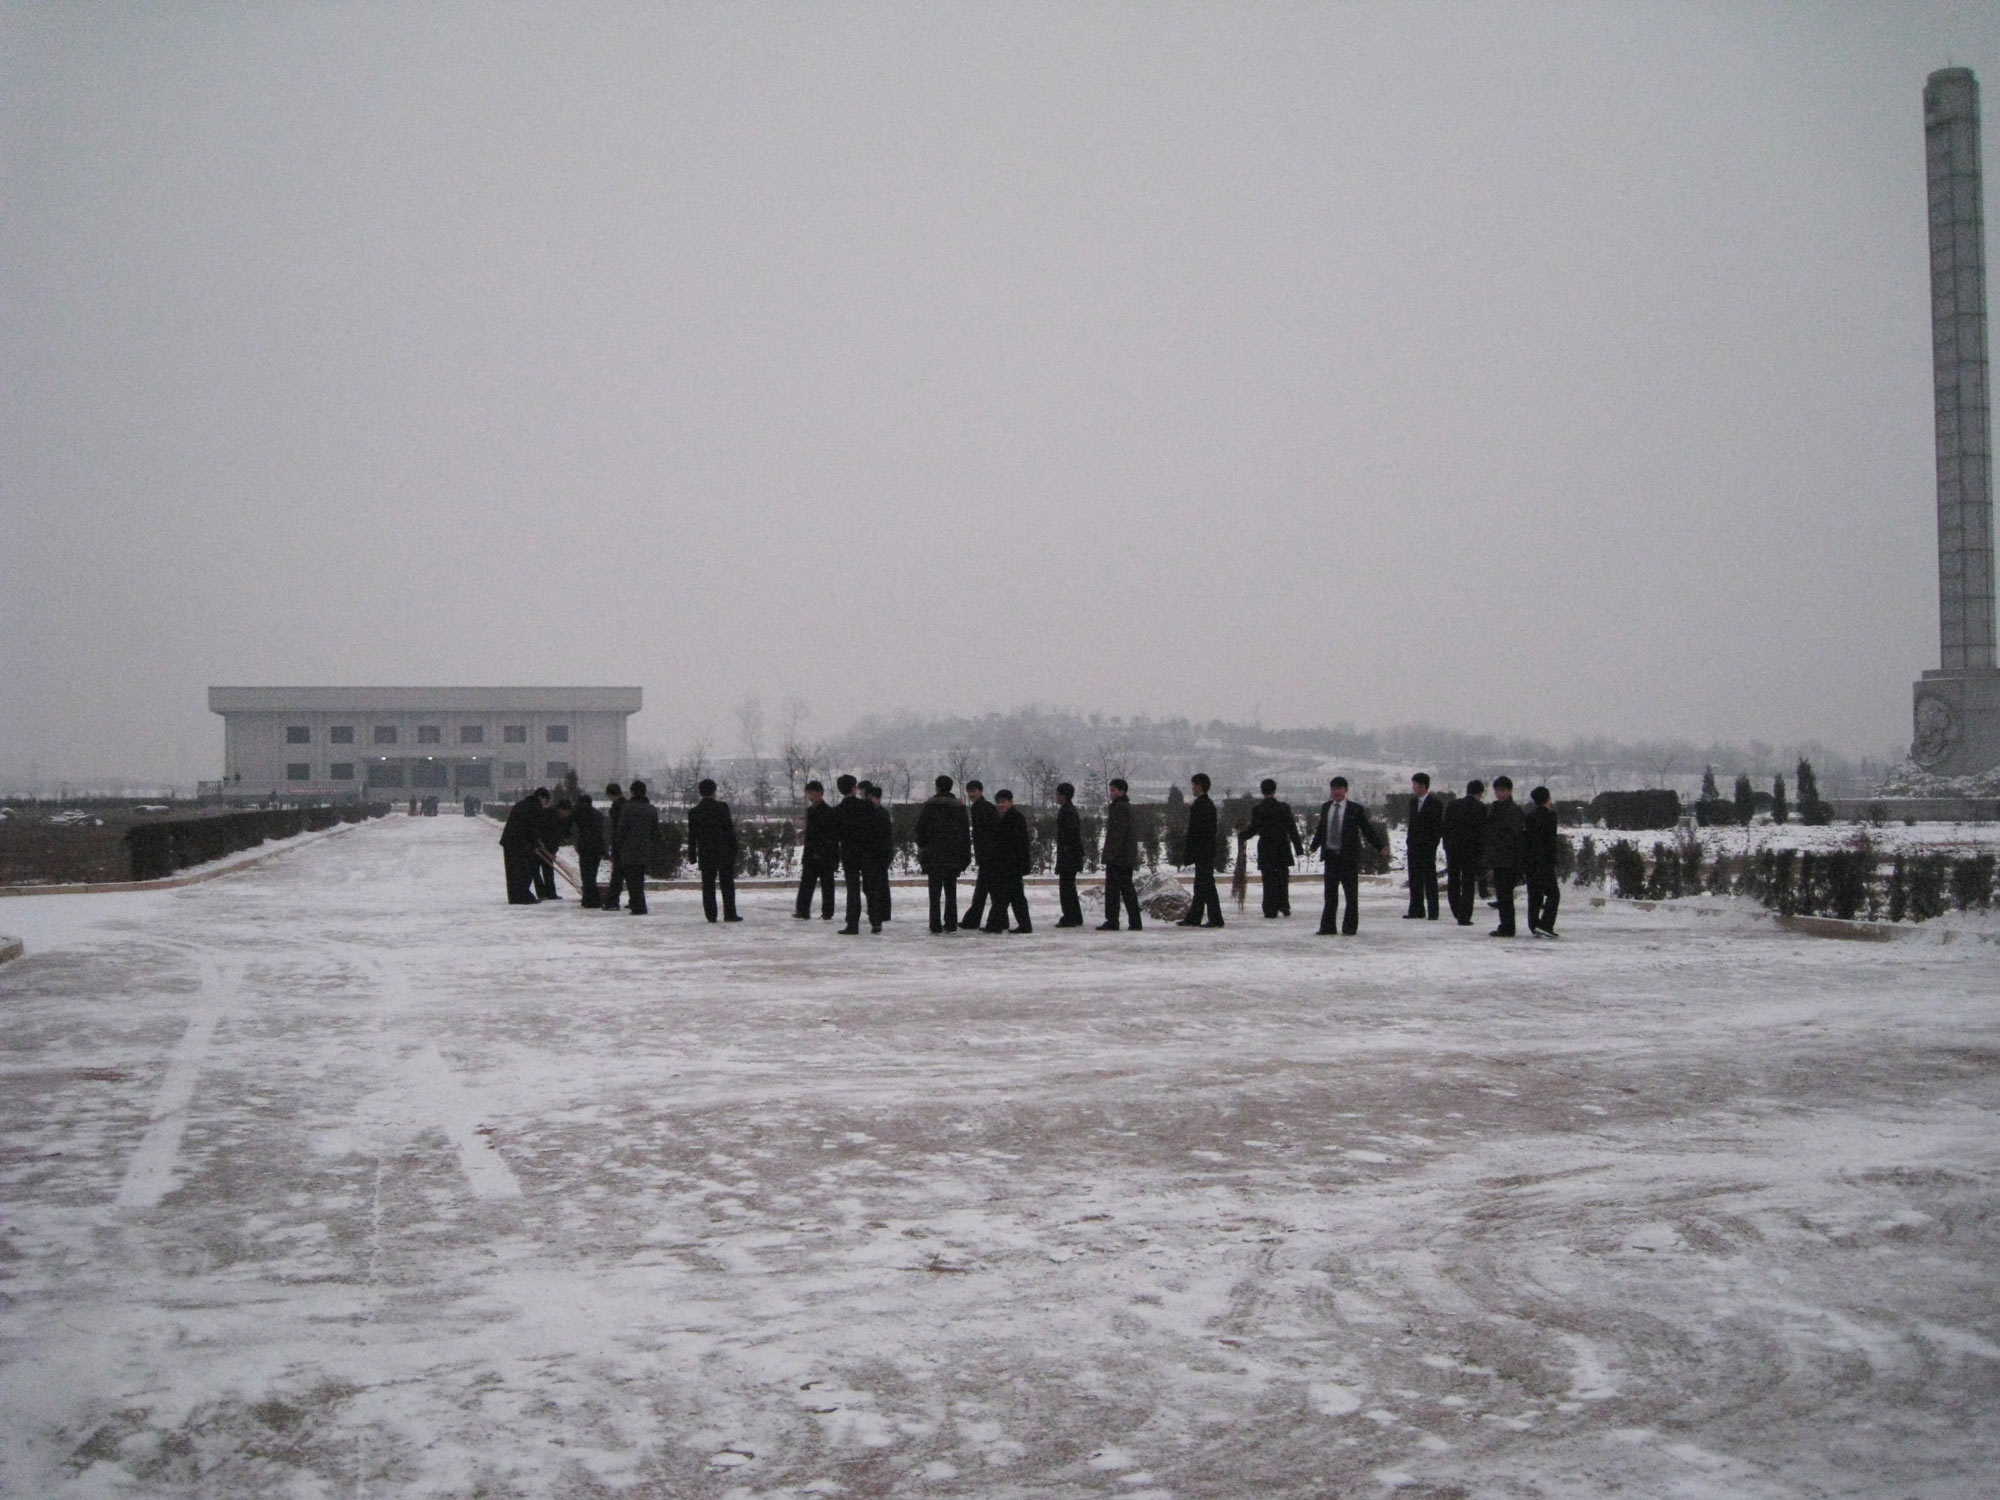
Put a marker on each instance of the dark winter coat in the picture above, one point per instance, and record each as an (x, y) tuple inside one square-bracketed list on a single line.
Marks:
[(1465, 830), (1355, 830), (712, 835), (984, 816), (589, 831), (1198, 847), (638, 831), (1542, 845), (523, 826), (612, 809), (822, 834), (1276, 832), (854, 821), (553, 826), (1011, 845), (1121, 835), (1069, 840), (1426, 827), (944, 836), (882, 835), (1506, 835)]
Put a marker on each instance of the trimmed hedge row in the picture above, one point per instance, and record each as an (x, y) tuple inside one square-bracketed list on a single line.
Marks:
[(160, 849), (1847, 883)]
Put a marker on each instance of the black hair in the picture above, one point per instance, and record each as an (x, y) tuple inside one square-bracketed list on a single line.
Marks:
[(845, 785), (1421, 778), (1339, 781), (1064, 789), (975, 785), (1003, 795), (1268, 787), (1474, 787), (944, 785), (638, 788), (1118, 784), (815, 785), (1539, 795), (1201, 780), (1503, 783), (706, 786)]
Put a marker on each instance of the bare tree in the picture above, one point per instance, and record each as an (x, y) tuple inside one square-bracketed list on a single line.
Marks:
[(962, 759), (793, 749), (1039, 774), (750, 725), (900, 774), (689, 770)]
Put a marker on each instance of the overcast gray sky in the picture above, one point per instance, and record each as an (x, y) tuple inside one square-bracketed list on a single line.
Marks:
[(1551, 370)]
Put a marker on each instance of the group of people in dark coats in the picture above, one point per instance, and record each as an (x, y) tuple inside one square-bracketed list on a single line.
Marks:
[(856, 838)]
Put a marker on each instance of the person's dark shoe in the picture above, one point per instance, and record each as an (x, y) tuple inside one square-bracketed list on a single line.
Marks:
[(1326, 932), (875, 927), (1216, 923), (1187, 922), (802, 916), (937, 928), (850, 932), (1023, 931), (1137, 924), (1069, 922), (1107, 926), (732, 917), (1499, 932), (1413, 916), (951, 927), (1463, 921), (1550, 932)]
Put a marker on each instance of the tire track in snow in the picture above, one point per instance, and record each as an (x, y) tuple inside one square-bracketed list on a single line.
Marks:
[(149, 1176)]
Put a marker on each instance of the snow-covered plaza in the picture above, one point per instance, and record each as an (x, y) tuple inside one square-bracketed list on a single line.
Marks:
[(339, 1177)]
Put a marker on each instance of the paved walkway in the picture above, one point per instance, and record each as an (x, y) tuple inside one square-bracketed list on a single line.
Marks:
[(339, 1177)]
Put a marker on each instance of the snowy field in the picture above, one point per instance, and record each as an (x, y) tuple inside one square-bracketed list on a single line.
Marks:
[(339, 1177)]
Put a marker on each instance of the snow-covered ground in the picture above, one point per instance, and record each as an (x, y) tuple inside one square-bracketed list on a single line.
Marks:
[(340, 1177)]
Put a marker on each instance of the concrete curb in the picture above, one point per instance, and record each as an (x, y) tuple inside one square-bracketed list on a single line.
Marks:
[(174, 882)]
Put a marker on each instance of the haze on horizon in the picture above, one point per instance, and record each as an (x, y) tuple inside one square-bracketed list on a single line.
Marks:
[(1542, 370)]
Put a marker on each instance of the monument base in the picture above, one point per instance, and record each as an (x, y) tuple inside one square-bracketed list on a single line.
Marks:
[(1957, 722)]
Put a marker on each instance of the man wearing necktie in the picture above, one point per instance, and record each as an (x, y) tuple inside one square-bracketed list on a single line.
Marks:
[(1343, 829)]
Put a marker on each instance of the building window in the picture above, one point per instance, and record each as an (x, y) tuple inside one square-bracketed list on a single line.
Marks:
[(341, 734), (429, 734), (430, 773), (514, 734), (559, 734), (380, 774), (558, 769), (341, 770), (477, 774), (514, 770), (298, 770), (472, 734), (385, 734), (298, 734)]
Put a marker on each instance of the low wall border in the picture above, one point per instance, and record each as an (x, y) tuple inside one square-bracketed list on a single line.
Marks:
[(173, 882)]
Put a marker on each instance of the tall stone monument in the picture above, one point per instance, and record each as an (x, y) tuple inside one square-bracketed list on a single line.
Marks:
[(1958, 706)]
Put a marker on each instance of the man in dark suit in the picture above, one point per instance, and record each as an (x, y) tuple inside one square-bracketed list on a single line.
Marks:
[(983, 815), (1505, 851), (1069, 855), (518, 837), (1120, 858), (638, 832), (551, 828), (614, 807), (590, 847), (1421, 837), (1343, 829), (944, 849), (1012, 846), (881, 855), (1277, 834), (1198, 848), (1541, 860), (712, 842), (855, 824), (819, 858), (1464, 842)]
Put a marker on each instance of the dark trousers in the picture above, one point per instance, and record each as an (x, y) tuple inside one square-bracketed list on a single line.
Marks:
[(1277, 890), (1118, 888), (1461, 887), (1504, 882), (1009, 894), (1343, 878), (1072, 907), (711, 877), (1544, 897), (1207, 908), (587, 868), (634, 877), (875, 887), (854, 883), (545, 879), (816, 872), (617, 883), (1424, 883), (520, 877), (982, 890), (944, 901)]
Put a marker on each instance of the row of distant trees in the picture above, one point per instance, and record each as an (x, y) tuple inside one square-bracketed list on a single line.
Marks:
[(1746, 802)]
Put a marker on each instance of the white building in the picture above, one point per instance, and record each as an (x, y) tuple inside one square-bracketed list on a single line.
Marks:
[(418, 741)]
